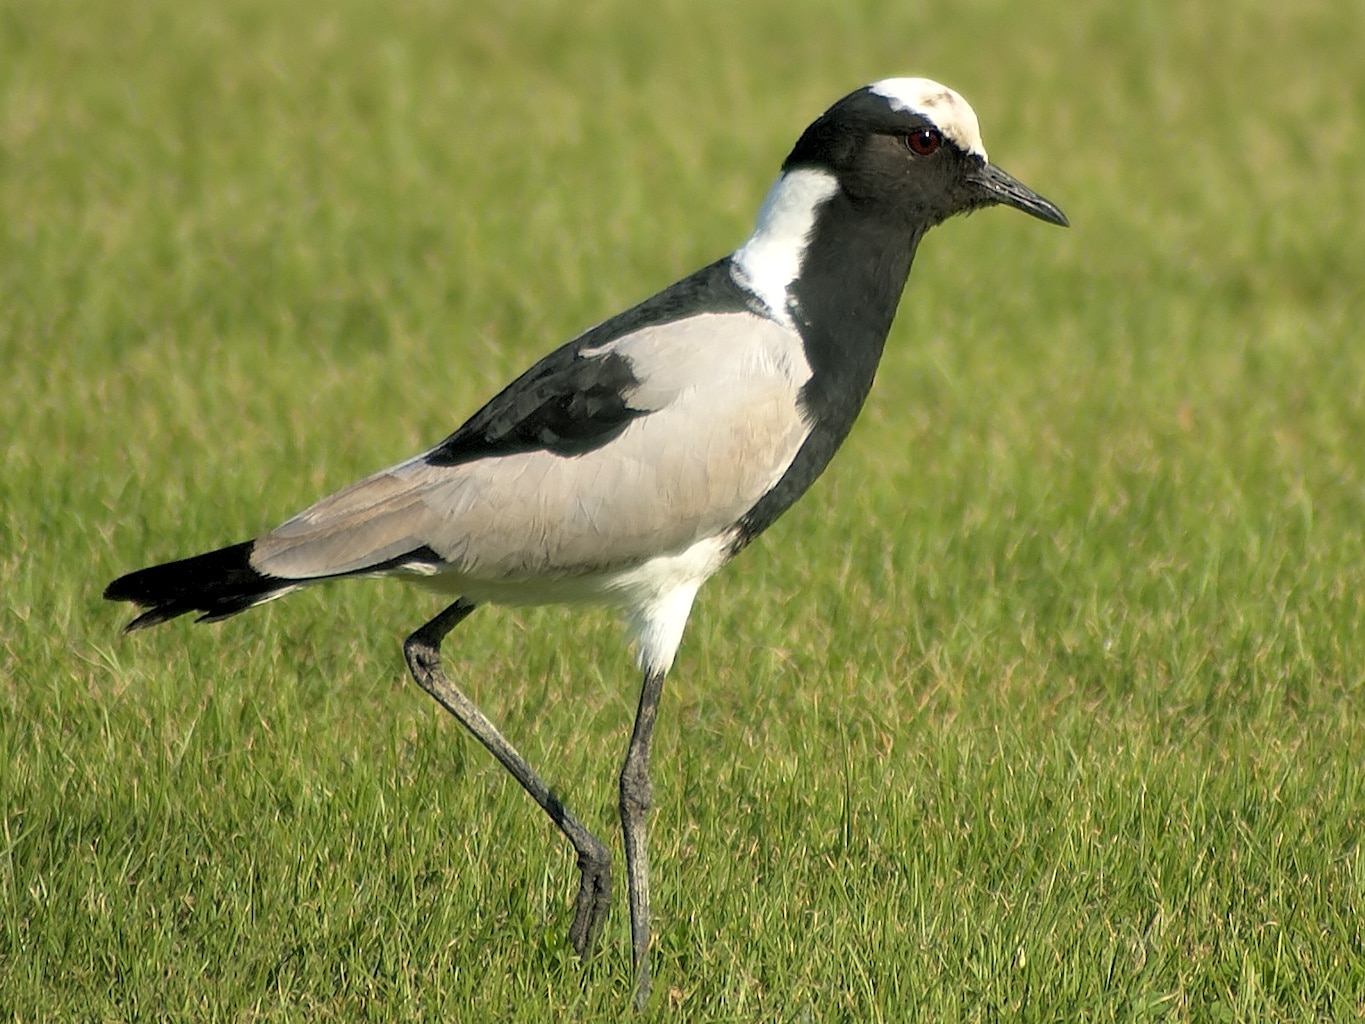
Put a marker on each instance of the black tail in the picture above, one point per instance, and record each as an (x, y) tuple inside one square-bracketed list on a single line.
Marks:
[(217, 584)]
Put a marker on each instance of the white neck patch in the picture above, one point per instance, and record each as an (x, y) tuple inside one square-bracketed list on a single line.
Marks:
[(770, 260), (951, 114)]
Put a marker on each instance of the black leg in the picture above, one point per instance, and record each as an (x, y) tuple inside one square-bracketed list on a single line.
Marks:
[(423, 653), (636, 797)]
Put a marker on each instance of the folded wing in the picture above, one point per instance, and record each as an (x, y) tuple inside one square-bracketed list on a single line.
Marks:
[(599, 457)]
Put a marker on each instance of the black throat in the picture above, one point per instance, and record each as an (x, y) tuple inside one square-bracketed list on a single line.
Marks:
[(844, 301)]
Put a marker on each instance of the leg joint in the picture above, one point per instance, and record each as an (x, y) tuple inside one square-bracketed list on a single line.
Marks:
[(422, 650), (422, 656)]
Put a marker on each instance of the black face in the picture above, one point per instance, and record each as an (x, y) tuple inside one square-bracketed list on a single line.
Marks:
[(898, 165)]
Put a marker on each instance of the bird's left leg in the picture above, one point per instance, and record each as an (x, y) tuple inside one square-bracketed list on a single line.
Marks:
[(636, 797), (423, 652)]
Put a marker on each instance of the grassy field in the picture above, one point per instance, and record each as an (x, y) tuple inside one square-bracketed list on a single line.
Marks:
[(1046, 704)]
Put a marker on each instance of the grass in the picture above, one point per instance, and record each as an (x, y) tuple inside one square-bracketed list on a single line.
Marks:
[(1046, 704)]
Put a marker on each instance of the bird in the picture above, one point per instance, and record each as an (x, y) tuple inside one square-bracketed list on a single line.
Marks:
[(632, 463)]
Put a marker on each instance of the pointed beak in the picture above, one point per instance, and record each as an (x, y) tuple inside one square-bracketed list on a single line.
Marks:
[(998, 187)]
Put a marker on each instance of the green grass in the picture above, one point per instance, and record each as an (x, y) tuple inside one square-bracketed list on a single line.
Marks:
[(1047, 703)]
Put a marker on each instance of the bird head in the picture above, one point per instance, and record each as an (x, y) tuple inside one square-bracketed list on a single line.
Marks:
[(911, 149)]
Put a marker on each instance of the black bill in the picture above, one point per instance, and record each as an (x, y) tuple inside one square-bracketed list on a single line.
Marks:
[(1009, 191)]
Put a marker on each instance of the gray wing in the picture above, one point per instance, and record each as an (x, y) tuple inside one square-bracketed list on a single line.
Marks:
[(705, 418)]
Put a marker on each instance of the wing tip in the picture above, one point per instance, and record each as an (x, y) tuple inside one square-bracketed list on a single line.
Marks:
[(217, 583)]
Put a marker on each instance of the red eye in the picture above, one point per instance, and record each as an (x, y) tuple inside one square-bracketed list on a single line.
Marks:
[(924, 142)]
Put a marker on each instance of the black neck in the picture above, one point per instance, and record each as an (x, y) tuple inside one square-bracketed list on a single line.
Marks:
[(845, 304), (852, 277)]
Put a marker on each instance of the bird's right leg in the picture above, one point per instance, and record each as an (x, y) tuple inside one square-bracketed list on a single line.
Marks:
[(423, 653)]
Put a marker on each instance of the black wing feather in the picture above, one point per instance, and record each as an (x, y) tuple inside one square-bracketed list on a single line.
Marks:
[(216, 584), (570, 402)]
